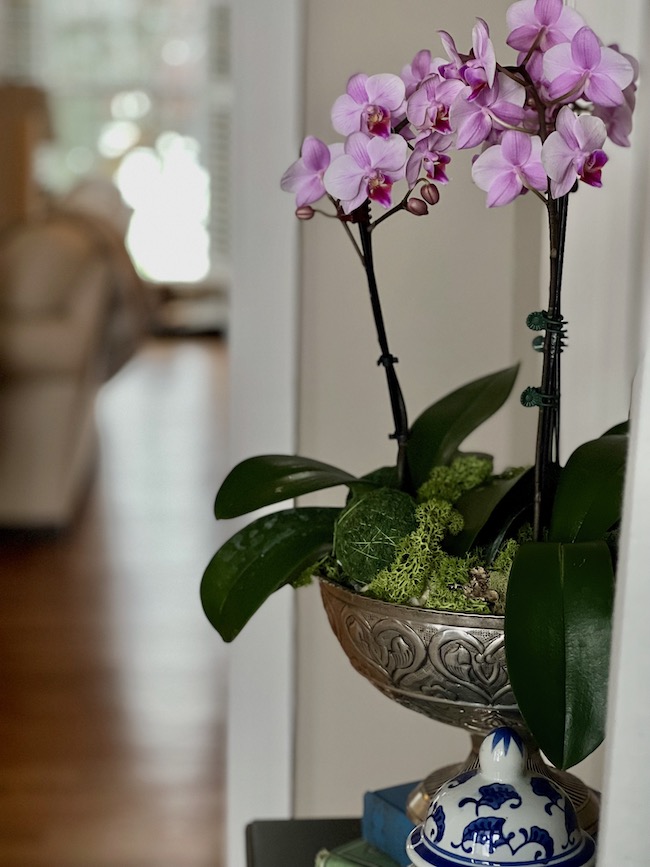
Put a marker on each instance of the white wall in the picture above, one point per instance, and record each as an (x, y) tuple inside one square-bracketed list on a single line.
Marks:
[(456, 287)]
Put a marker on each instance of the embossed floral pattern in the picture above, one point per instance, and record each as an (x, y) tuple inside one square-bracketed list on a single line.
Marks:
[(451, 673)]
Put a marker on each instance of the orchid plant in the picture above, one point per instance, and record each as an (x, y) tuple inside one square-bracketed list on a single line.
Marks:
[(539, 125)]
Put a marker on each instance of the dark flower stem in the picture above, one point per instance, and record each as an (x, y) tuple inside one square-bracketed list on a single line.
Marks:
[(387, 360), (548, 429)]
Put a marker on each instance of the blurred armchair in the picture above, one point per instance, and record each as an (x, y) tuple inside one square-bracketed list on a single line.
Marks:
[(71, 314)]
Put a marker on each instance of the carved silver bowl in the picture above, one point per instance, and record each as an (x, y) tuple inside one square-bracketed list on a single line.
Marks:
[(450, 667)]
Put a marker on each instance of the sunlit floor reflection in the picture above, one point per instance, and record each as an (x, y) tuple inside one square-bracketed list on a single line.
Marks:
[(112, 720)]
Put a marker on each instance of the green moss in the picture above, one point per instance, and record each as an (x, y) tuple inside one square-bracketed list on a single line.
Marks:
[(391, 549), (505, 555), (422, 573), (438, 518), (498, 574), (450, 483), (326, 567), (407, 578), (305, 578), (525, 534), (449, 586)]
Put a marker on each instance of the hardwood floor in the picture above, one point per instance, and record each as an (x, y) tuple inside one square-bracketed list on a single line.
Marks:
[(112, 684)]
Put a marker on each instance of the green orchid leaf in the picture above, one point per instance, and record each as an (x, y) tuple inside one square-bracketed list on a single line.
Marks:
[(268, 479), (557, 633), (622, 428), (590, 491), (490, 510), (260, 559), (382, 477), (440, 429)]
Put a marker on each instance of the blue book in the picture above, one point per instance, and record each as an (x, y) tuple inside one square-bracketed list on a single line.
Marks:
[(385, 824)]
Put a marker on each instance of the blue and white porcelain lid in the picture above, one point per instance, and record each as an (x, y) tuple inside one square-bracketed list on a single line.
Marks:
[(500, 815)]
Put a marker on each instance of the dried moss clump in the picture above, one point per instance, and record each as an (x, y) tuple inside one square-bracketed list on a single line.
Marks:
[(405, 579), (450, 483), (423, 573)]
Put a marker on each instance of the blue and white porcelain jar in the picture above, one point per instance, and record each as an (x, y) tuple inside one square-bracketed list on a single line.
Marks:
[(501, 815)]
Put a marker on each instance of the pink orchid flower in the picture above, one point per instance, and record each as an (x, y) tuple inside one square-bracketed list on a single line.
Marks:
[(543, 24), (618, 120), (508, 169), (473, 121), (428, 107), (585, 67), (367, 170), (481, 68), (369, 104), (574, 151), (305, 176), (452, 68), (420, 68), (429, 154), (476, 70)]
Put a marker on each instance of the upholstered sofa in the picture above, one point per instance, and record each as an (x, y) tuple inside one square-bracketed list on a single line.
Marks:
[(71, 314)]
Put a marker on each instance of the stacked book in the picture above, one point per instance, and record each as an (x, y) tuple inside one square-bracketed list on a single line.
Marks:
[(356, 853), (384, 830)]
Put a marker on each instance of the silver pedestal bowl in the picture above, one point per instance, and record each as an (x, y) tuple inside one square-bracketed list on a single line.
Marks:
[(450, 667)]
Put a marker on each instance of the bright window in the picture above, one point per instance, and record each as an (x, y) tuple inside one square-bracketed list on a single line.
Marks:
[(140, 93)]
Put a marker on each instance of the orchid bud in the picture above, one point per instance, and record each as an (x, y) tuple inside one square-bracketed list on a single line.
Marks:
[(306, 212), (430, 194), (417, 207)]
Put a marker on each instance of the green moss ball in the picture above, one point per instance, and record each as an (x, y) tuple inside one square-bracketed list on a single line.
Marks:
[(369, 530)]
